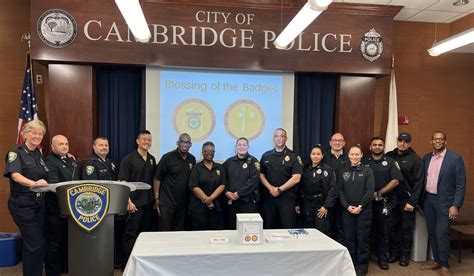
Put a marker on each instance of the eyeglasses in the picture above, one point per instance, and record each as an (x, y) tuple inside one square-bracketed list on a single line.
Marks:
[(279, 136), (337, 140), (185, 142)]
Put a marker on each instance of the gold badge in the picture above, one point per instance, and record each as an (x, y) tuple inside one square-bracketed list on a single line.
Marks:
[(244, 165), (12, 156), (90, 170), (113, 166), (299, 160), (257, 166), (218, 172), (397, 165), (287, 158), (190, 166)]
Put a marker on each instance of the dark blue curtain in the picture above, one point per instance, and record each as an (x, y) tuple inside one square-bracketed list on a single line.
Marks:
[(315, 97), (119, 93)]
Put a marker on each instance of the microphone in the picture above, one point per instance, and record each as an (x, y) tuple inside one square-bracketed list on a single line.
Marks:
[(79, 160)]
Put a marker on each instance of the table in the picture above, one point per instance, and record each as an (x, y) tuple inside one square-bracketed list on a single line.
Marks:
[(191, 253)]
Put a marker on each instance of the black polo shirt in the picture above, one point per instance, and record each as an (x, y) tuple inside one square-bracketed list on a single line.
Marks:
[(173, 173), (134, 168), (385, 170), (28, 163), (208, 181), (356, 185), (278, 167), (336, 162), (94, 168), (242, 175)]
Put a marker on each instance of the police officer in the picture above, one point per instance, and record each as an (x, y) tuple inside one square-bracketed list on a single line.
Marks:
[(61, 167), (170, 186), (356, 190), (243, 175), (138, 166), (98, 166), (318, 191), (407, 194), (387, 176), (207, 182), (336, 158), (25, 167), (281, 171)]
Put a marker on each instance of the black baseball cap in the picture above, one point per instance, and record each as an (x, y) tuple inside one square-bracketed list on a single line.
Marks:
[(404, 137)]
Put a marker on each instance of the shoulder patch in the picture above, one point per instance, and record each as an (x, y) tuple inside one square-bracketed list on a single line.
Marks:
[(12, 156), (299, 160), (257, 166), (90, 170)]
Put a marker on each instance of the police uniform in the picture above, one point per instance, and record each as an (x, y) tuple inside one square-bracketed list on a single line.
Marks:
[(356, 188), (60, 170), (385, 170), (408, 191), (173, 173), (336, 230), (134, 168), (202, 218), (278, 168), (95, 168), (27, 208), (243, 176), (317, 189)]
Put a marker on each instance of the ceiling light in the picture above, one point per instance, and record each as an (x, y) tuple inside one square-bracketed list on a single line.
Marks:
[(309, 12), (133, 14), (452, 42), (461, 2)]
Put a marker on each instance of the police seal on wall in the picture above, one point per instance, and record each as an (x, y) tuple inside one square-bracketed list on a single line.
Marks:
[(57, 28), (371, 46), (88, 204)]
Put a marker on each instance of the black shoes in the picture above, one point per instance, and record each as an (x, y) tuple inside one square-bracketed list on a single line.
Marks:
[(383, 265), (393, 259), (404, 261)]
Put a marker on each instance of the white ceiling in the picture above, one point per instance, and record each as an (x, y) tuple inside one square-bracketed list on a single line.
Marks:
[(439, 11)]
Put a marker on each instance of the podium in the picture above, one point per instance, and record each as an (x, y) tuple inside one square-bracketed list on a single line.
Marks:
[(90, 206)]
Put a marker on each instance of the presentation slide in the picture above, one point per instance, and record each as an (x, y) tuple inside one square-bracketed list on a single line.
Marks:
[(217, 106)]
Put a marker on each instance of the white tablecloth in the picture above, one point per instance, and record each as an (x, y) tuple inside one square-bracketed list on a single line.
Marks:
[(191, 253)]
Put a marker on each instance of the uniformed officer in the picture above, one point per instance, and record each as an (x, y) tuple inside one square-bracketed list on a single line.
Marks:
[(407, 194), (243, 175), (138, 166), (25, 167), (207, 182), (170, 186), (387, 176), (336, 158), (356, 190), (61, 167), (98, 166), (318, 191), (281, 171)]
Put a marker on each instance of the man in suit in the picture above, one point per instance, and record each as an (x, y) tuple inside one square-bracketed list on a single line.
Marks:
[(444, 195), (61, 167)]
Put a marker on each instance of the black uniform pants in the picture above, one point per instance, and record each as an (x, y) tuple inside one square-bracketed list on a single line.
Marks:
[(28, 212), (380, 225), (235, 208), (357, 231), (310, 216), (172, 218), (205, 221), (335, 222), (56, 256), (401, 231), (136, 223), (279, 212)]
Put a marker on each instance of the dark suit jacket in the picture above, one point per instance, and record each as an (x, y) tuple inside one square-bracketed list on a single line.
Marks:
[(451, 180), (59, 171)]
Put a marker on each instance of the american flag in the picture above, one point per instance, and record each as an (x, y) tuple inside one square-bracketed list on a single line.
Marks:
[(28, 110)]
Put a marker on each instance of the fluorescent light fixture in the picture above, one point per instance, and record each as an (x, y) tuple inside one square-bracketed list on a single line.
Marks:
[(133, 14), (305, 16), (452, 42)]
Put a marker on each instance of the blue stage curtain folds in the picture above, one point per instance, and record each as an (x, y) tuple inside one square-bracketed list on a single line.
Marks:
[(315, 97), (119, 93)]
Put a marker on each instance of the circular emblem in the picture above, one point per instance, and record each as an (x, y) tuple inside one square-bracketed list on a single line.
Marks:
[(57, 28), (325, 174), (195, 117), (318, 171), (244, 118), (371, 46), (254, 238), (287, 158), (247, 238), (88, 204), (384, 163), (244, 165)]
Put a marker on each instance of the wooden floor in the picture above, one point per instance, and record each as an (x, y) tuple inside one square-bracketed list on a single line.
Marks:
[(465, 268)]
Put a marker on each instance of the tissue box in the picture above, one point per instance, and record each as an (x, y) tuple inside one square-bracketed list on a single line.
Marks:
[(250, 228)]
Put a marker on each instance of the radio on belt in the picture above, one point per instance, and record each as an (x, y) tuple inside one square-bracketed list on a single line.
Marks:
[(249, 228)]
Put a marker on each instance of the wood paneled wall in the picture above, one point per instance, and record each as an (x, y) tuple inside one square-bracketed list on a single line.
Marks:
[(436, 93)]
